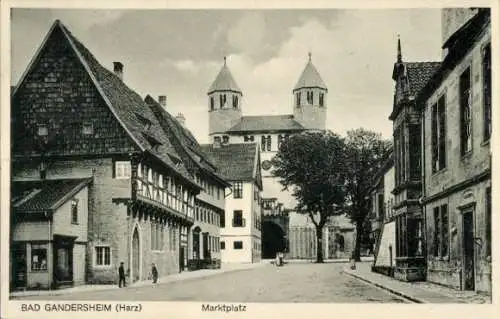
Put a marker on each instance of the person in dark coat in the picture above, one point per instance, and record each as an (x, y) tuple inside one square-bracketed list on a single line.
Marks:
[(154, 273), (121, 274)]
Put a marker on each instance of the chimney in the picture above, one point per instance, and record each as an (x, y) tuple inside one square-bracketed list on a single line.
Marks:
[(180, 117), (162, 99), (118, 69)]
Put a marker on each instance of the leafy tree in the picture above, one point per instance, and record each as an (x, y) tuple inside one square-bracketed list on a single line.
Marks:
[(311, 165), (365, 152)]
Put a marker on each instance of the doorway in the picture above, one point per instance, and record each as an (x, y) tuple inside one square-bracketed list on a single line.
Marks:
[(206, 251), (19, 265), (196, 242), (468, 253), (135, 256), (63, 260)]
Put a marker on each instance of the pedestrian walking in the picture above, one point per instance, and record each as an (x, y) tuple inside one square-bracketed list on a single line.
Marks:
[(121, 275), (154, 273)]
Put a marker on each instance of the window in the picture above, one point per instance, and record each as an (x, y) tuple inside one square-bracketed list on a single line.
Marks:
[(238, 245), (43, 130), (235, 101), (238, 220), (225, 139), (268, 143), (212, 103), (322, 99), (249, 138), (486, 92), (103, 256), (74, 211), (441, 231), (488, 222), (297, 99), (223, 219), (310, 97), (380, 205), (238, 190), (465, 113), (222, 101), (263, 143), (222, 245), (38, 258), (439, 135), (400, 155), (217, 140), (122, 170), (87, 128)]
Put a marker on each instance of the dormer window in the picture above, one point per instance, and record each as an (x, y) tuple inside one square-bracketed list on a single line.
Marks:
[(235, 101), (43, 130), (322, 99), (297, 99), (87, 128)]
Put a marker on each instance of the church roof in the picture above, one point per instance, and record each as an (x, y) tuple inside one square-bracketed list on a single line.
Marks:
[(310, 78), (234, 161), (266, 123), (224, 81)]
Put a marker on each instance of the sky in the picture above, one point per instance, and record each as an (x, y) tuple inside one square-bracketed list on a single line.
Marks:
[(179, 52)]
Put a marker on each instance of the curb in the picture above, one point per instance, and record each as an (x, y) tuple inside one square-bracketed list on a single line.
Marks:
[(137, 285), (398, 293)]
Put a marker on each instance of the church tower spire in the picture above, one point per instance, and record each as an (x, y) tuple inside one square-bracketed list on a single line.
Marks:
[(400, 56), (224, 98), (310, 98)]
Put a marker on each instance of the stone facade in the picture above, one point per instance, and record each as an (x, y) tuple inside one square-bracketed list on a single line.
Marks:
[(463, 184)]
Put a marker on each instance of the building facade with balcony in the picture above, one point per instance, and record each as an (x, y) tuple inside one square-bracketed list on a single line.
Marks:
[(203, 250), (457, 123), (74, 119), (240, 226)]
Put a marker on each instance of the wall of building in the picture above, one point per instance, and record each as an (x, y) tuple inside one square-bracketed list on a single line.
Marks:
[(244, 255), (31, 231), (62, 223), (448, 270), (221, 120), (387, 242), (453, 19)]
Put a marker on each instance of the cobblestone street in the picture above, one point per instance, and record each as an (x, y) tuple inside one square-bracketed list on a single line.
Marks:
[(292, 283)]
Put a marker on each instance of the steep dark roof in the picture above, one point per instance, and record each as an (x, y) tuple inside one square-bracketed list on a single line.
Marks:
[(126, 105), (46, 195), (458, 45), (419, 73), (224, 81), (234, 161), (184, 139), (310, 78), (266, 123)]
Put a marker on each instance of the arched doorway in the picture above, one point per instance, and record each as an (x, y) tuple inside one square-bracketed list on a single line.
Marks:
[(273, 239), (196, 242), (136, 257)]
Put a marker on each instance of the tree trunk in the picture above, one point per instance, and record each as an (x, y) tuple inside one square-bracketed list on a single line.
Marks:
[(359, 236), (319, 244)]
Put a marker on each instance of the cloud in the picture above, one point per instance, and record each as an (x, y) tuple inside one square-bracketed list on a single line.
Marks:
[(86, 19), (248, 33)]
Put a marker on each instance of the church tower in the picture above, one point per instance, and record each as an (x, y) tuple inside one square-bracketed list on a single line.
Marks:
[(310, 99), (224, 102)]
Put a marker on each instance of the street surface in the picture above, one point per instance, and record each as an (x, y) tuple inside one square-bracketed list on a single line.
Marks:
[(305, 282)]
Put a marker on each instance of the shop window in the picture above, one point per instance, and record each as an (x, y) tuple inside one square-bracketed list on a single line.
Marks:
[(103, 256), (38, 258)]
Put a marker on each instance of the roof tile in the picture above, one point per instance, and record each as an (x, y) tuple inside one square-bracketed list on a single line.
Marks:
[(234, 161), (267, 123)]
